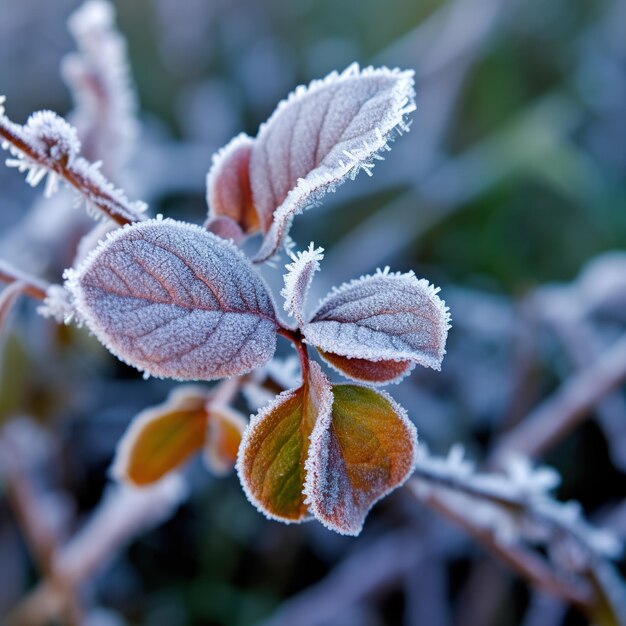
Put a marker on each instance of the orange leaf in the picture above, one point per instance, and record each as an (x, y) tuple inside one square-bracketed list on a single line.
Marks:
[(161, 438), (272, 456), (359, 453), (225, 429), (375, 372)]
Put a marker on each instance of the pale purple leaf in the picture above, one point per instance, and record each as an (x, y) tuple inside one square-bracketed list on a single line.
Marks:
[(385, 316), (175, 301), (321, 135)]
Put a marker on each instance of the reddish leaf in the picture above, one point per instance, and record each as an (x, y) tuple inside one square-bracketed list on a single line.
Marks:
[(272, 456), (228, 184), (374, 372), (225, 430), (161, 438), (176, 301), (360, 451)]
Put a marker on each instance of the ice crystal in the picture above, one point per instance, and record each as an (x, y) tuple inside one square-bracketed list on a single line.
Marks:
[(384, 316)]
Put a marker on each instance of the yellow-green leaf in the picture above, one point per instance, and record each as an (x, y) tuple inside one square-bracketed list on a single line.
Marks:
[(359, 453), (161, 438), (273, 453)]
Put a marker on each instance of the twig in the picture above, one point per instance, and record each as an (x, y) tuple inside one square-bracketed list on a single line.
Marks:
[(31, 286), (565, 409), (48, 145)]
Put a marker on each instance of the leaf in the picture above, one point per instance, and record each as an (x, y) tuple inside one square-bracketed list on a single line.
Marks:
[(273, 453), (298, 280), (228, 184), (225, 429), (360, 452), (319, 136), (382, 317), (176, 301), (161, 438), (226, 228), (373, 372)]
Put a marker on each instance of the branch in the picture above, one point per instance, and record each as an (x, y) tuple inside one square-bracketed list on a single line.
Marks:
[(568, 406), (48, 146), (31, 286)]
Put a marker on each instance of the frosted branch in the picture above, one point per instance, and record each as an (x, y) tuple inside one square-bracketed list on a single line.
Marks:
[(47, 146)]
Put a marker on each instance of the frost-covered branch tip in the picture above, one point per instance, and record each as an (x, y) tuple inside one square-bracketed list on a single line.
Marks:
[(47, 146)]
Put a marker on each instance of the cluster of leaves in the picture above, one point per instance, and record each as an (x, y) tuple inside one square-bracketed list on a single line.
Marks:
[(181, 301)]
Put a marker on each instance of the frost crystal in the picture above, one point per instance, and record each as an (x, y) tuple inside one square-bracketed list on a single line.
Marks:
[(385, 316), (175, 301), (298, 280), (320, 136)]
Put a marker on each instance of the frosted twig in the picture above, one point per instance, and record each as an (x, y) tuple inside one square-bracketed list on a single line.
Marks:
[(564, 410), (48, 146), (509, 514), (32, 286)]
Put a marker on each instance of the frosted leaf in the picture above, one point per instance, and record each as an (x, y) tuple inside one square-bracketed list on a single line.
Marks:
[(380, 317), (275, 447), (318, 137), (298, 280), (226, 228), (175, 301), (225, 430), (162, 438), (360, 451), (228, 184), (372, 372)]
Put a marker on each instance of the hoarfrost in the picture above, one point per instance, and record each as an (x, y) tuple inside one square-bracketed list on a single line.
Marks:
[(175, 301), (320, 136), (298, 280), (384, 316)]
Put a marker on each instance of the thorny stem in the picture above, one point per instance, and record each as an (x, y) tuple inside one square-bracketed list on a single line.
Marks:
[(32, 286), (295, 336)]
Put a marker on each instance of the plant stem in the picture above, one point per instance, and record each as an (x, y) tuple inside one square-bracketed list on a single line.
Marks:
[(295, 336)]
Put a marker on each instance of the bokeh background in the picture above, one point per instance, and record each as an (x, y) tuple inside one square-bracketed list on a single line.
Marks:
[(510, 183)]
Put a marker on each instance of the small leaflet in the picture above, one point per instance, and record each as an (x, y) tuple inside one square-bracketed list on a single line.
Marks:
[(228, 184), (372, 372), (320, 136), (175, 301), (382, 317), (360, 451)]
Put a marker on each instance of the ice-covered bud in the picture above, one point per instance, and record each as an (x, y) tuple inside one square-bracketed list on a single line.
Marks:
[(57, 138)]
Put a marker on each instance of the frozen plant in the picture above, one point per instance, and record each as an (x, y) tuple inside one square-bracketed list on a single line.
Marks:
[(182, 301)]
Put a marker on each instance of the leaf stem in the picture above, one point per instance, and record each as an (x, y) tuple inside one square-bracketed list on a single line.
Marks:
[(295, 336)]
